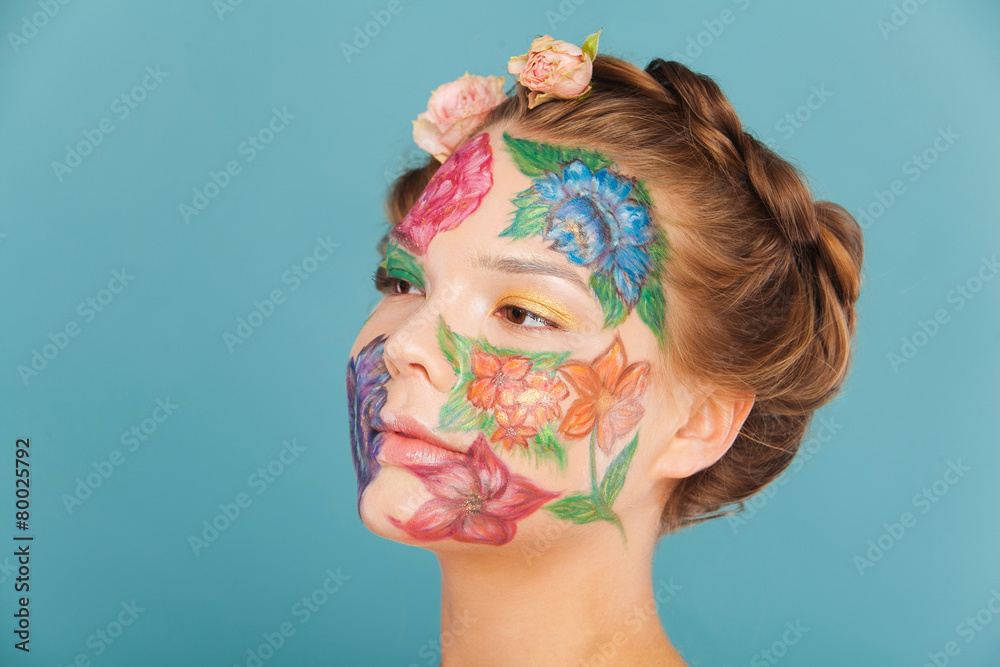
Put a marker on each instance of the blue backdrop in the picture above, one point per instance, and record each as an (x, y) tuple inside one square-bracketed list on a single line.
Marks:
[(191, 198)]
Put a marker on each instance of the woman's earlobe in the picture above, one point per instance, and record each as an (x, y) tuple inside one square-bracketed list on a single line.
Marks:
[(709, 432)]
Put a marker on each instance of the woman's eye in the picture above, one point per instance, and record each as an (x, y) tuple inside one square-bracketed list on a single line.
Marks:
[(394, 284), (526, 318)]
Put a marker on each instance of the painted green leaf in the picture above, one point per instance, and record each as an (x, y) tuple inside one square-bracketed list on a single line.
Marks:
[(659, 251), (540, 361), (614, 477), (652, 308), (535, 159), (578, 508), (448, 342), (532, 158), (641, 194), (546, 445), (401, 264), (457, 414), (528, 221), (527, 197), (614, 308)]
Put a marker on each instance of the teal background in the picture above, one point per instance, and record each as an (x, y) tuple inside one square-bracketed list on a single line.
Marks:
[(791, 559)]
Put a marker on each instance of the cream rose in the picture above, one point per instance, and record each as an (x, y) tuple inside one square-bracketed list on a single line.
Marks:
[(555, 70)]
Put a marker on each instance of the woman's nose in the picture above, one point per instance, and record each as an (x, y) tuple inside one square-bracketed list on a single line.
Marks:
[(412, 352)]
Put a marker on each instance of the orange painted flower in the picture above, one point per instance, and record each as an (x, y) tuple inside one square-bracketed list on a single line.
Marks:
[(541, 396), (497, 380), (610, 395), (511, 430)]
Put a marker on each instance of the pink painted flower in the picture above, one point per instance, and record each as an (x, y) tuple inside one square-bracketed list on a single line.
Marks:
[(453, 193), (497, 379), (555, 70), (476, 499), (454, 110)]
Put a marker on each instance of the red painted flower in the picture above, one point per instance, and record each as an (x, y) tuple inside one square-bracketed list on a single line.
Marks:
[(541, 395), (476, 499), (511, 430), (609, 396), (453, 193), (497, 379)]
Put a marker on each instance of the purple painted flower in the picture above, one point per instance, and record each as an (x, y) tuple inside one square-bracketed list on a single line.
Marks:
[(366, 378)]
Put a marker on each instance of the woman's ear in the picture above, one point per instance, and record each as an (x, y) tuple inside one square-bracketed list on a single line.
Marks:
[(709, 432)]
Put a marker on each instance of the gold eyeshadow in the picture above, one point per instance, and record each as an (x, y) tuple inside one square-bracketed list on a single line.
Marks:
[(543, 306)]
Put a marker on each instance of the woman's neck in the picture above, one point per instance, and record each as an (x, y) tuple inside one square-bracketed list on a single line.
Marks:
[(558, 603)]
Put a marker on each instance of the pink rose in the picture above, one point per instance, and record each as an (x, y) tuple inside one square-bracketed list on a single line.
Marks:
[(454, 110), (555, 70)]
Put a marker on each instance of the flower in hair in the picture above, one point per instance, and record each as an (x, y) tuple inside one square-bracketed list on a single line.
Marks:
[(454, 110), (555, 70)]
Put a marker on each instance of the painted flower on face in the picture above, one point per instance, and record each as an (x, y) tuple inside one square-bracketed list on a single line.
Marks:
[(497, 379), (366, 378), (610, 395), (453, 193), (476, 499), (595, 224), (511, 430), (541, 395)]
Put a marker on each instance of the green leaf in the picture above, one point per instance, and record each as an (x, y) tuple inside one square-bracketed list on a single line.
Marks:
[(589, 45), (535, 159), (641, 194), (652, 308), (540, 361), (527, 197), (528, 221), (577, 508), (614, 476), (593, 160), (454, 346), (532, 158), (615, 311), (547, 446), (401, 264), (457, 414)]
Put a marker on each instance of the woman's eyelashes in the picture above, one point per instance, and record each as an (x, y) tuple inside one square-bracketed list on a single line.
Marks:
[(522, 317), (395, 284), (517, 316)]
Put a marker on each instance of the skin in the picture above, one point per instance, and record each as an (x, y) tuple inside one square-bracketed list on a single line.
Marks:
[(558, 591)]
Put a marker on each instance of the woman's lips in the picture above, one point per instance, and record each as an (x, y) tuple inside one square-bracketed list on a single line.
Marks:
[(401, 450)]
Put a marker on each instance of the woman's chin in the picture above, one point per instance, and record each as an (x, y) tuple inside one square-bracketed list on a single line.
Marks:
[(392, 499)]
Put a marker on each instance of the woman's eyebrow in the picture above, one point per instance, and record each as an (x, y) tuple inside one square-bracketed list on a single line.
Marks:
[(489, 262)]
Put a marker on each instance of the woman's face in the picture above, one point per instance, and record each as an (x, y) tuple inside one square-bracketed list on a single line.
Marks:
[(509, 385)]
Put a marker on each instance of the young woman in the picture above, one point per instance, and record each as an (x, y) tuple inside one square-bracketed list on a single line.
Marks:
[(610, 313)]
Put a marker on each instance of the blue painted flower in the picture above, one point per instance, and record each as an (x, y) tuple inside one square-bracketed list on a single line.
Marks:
[(594, 223), (366, 378)]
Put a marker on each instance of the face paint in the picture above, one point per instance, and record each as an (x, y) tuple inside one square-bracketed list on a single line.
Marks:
[(402, 265), (608, 407), (476, 498), (511, 395), (516, 398), (454, 192), (366, 378), (597, 218)]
